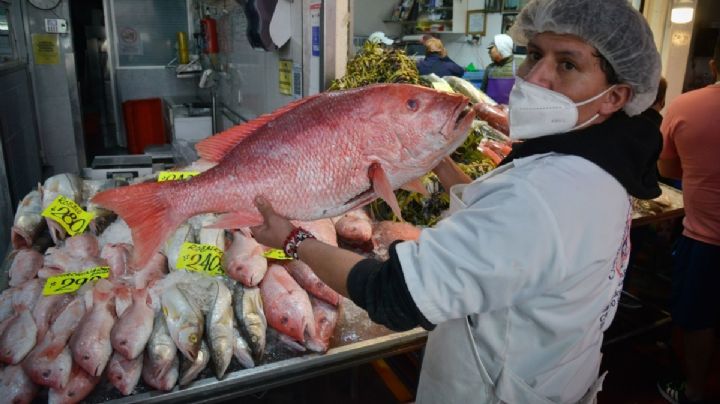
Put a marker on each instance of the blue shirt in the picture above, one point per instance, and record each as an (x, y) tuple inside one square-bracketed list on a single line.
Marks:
[(433, 63)]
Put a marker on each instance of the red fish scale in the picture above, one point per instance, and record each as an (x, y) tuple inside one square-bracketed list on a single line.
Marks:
[(293, 159)]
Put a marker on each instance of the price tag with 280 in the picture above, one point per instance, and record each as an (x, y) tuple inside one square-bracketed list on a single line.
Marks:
[(68, 214), (204, 258), (70, 282)]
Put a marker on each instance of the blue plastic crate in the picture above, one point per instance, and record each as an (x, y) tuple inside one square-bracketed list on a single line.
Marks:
[(475, 77)]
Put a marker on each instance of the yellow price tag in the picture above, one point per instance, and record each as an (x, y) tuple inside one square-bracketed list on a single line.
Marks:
[(203, 258), (69, 214), (276, 254), (70, 282), (176, 175)]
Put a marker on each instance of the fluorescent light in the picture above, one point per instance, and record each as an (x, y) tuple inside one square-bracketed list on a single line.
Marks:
[(682, 13)]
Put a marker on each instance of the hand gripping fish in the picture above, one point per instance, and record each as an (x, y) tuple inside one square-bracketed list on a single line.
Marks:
[(318, 157)]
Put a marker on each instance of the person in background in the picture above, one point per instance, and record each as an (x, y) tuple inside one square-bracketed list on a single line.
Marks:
[(437, 61), (500, 74), (519, 282), (691, 134), (653, 113)]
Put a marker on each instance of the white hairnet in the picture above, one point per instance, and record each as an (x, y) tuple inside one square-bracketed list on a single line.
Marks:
[(618, 31), (504, 44)]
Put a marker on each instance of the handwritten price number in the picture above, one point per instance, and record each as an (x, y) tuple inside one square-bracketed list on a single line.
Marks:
[(70, 216), (201, 258), (68, 283), (276, 254), (176, 175), (206, 262)]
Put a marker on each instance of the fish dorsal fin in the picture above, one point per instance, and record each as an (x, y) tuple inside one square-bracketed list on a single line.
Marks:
[(216, 147), (381, 186)]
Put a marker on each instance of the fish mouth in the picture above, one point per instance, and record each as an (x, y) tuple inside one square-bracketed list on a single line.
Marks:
[(460, 113)]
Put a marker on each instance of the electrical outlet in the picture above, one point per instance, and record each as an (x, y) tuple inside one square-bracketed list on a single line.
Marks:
[(56, 26)]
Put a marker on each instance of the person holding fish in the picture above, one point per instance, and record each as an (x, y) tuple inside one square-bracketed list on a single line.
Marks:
[(519, 283)]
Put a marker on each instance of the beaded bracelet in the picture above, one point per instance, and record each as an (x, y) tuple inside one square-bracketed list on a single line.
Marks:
[(293, 240)]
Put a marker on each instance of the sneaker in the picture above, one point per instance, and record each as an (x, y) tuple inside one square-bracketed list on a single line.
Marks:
[(674, 392)]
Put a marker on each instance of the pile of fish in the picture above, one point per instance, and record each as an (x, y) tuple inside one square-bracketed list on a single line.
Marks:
[(150, 319), (157, 323)]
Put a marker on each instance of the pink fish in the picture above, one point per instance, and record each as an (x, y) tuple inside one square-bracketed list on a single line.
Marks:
[(80, 385), (317, 157), (117, 257), (46, 309), (326, 317), (152, 272), (305, 277), (244, 261), (16, 387), (25, 266), (287, 305), (323, 229), (18, 337), (49, 363), (386, 232), (124, 373), (90, 344), (133, 328), (82, 246), (354, 227)]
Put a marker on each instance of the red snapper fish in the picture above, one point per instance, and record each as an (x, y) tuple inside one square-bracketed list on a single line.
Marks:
[(317, 157)]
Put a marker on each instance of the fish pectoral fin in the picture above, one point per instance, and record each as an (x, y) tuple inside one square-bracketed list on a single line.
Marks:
[(216, 147), (381, 186), (236, 220), (416, 185)]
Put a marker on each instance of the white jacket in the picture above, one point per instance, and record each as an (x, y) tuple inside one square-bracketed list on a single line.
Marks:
[(522, 282)]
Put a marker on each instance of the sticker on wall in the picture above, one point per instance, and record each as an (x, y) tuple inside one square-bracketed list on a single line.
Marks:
[(286, 77), (297, 81), (46, 50), (129, 42), (315, 28)]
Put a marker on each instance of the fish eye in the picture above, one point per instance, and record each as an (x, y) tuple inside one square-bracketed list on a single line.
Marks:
[(412, 104), (193, 338)]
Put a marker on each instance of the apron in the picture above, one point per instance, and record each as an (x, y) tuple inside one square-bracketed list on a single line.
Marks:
[(453, 370), (499, 88)]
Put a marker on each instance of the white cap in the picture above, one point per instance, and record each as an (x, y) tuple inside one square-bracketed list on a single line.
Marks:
[(504, 44), (379, 37)]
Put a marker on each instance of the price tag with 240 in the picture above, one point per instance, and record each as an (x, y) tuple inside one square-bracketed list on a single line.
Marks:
[(204, 258)]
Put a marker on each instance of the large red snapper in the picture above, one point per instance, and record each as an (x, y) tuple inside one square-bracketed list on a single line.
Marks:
[(317, 157)]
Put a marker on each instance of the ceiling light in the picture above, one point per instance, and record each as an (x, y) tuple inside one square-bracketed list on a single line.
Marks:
[(682, 12)]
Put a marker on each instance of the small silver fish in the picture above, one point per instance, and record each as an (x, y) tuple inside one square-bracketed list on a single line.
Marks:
[(220, 329), (160, 352), (191, 369), (184, 321), (251, 318)]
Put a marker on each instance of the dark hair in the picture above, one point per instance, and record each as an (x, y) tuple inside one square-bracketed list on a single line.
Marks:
[(716, 53), (662, 89), (607, 68)]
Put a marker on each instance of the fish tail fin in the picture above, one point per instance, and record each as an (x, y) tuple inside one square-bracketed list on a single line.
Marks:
[(148, 212)]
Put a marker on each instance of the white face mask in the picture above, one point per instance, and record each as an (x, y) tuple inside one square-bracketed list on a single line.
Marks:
[(537, 111)]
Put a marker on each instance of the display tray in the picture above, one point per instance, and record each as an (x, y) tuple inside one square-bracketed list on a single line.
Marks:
[(356, 340), (668, 205)]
